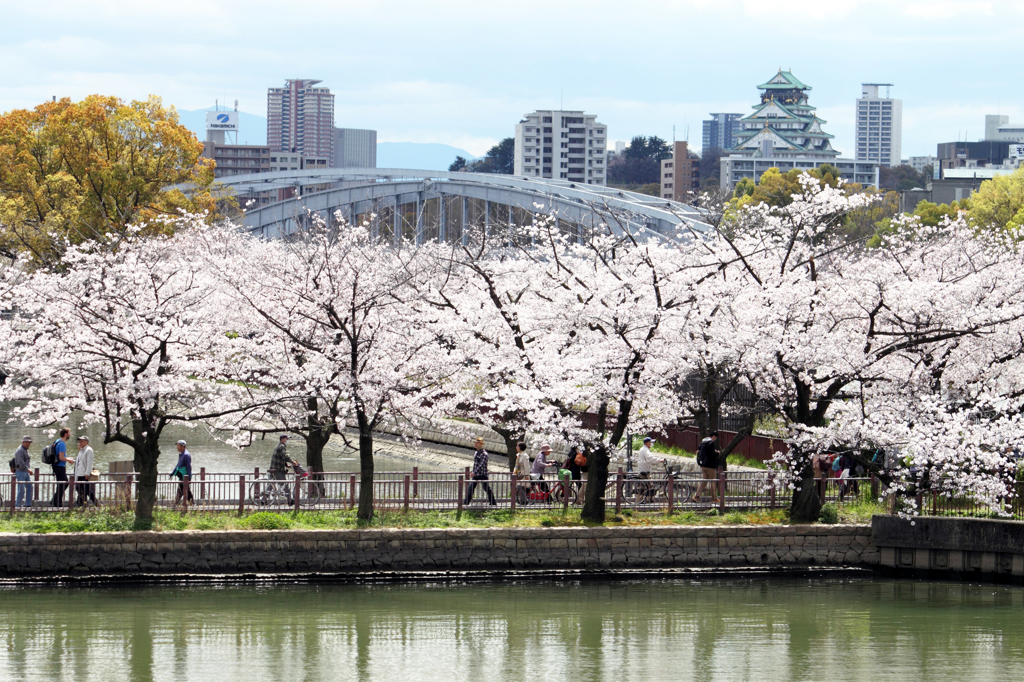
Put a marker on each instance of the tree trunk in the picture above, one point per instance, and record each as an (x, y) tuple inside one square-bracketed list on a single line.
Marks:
[(318, 435), (511, 439), (147, 453), (597, 481), (806, 504), (365, 510)]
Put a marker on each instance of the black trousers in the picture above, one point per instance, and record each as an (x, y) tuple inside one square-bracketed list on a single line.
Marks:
[(486, 486), (61, 474)]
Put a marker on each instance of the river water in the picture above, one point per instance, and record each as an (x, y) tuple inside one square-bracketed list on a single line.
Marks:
[(208, 449), (734, 628)]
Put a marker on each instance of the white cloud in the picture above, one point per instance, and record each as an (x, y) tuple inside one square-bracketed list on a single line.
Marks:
[(948, 9)]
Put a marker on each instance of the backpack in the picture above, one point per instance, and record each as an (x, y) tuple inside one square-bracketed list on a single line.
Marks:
[(702, 453), (837, 464), (50, 454), (581, 460), (13, 464)]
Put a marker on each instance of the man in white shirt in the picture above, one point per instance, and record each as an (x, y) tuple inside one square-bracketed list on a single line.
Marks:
[(83, 469), (645, 464)]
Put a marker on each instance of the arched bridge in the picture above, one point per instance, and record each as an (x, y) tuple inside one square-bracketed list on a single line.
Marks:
[(441, 205)]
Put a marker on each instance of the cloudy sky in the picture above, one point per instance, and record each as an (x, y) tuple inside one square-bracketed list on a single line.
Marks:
[(463, 72)]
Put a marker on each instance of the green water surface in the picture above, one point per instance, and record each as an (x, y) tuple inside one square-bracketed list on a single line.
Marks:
[(652, 629)]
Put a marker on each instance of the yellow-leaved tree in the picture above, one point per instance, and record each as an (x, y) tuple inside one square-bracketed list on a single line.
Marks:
[(72, 171), (999, 203)]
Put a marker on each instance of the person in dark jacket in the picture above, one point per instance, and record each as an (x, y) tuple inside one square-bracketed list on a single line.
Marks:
[(707, 460), (572, 463), (479, 473)]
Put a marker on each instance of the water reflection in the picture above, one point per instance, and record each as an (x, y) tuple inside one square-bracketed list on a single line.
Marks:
[(772, 629)]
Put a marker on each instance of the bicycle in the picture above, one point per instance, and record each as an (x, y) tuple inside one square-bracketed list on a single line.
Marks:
[(533, 492), (269, 492), (639, 491)]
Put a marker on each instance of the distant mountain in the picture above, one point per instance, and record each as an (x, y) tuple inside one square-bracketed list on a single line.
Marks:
[(418, 155), (252, 129)]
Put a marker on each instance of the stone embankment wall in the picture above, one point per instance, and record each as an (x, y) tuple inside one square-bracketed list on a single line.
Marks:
[(362, 551), (952, 548)]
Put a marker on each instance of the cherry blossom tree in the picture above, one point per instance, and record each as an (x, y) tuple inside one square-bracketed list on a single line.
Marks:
[(340, 323), (120, 336)]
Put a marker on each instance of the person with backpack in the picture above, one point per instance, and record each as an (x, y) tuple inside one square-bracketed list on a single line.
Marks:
[(707, 460), (183, 472), (20, 464), (56, 455), (576, 463)]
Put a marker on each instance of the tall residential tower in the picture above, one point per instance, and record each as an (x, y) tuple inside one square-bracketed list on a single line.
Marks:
[(567, 145), (720, 131), (300, 119), (879, 126)]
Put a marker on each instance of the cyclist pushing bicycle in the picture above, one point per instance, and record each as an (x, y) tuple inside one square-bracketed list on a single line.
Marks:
[(279, 463)]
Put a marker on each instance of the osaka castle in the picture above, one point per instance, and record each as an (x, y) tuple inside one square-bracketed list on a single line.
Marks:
[(783, 131)]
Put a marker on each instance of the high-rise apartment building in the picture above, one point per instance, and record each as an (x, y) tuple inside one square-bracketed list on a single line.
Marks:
[(355, 148), (720, 131), (879, 129), (999, 129), (566, 145), (300, 119), (680, 174)]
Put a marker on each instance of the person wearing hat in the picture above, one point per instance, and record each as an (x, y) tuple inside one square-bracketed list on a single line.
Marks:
[(21, 463), (645, 464), (279, 463), (479, 473), (540, 464), (83, 472), (183, 470)]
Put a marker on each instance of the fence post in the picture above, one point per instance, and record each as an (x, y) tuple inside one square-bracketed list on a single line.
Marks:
[(186, 486), (14, 489), (352, 491), (241, 495), (202, 483), (128, 490), (71, 490), (874, 487), (462, 484), (771, 485), (405, 495), (465, 473), (565, 494), (618, 492), (721, 490), (670, 491), (823, 487), (514, 487), (416, 482), (919, 501), (296, 491), (934, 504)]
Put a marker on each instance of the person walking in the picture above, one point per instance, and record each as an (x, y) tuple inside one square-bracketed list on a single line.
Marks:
[(60, 467), (707, 460), (183, 471), (479, 473), (279, 463), (540, 463), (576, 463), (22, 462), (83, 472)]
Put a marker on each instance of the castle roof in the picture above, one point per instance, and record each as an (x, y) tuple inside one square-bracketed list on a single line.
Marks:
[(784, 80)]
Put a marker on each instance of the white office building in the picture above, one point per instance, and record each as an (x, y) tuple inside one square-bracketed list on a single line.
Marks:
[(999, 129), (879, 126), (919, 163), (355, 148), (563, 145)]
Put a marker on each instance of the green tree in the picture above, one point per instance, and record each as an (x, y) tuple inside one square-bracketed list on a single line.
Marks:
[(76, 171), (999, 202), (499, 159), (711, 166), (458, 164), (901, 178)]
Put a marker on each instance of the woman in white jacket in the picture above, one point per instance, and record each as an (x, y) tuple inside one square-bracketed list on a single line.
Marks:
[(83, 469)]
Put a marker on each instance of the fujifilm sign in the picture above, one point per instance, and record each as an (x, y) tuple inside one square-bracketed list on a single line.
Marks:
[(222, 120)]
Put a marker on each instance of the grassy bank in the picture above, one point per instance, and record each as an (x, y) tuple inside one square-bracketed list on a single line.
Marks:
[(94, 521)]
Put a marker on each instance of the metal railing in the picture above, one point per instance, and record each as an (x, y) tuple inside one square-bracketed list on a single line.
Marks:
[(417, 491)]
